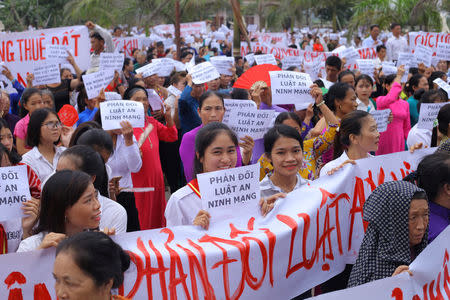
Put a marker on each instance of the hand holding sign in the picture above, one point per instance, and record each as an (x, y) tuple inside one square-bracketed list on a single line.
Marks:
[(203, 72), (290, 87), (14, 191), (114, 112)]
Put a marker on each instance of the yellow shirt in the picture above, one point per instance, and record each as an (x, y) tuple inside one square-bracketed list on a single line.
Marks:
[(312, 150)]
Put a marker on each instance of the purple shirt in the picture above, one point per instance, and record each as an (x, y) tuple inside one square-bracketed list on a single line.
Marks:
[(187, 153), (439, 220)]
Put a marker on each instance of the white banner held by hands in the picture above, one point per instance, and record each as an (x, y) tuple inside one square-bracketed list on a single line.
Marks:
[(289, 87), (46, 74), (203, 73), (381, 117), (14, 191), (97, 81), (115, 111)]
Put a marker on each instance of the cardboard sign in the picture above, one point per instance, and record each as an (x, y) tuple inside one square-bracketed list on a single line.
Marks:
[(228, 192), (97, 81), (112, 96), (46, 74), (203, 72), (56, 53), (115, 111), (428, 114), (112, 61), (265, 59), (236, 104), (381, 117), (290, 87), (423, 55), (251, 122), (14, 191), (223, 64)]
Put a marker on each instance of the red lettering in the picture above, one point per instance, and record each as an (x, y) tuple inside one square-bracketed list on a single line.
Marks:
[(65, 40), (55, 40), (397, 294), (10, 54), (358, 202), (41, 292), (438, 289), (41, 48), (75, 38), (20, 49), (13, 277)]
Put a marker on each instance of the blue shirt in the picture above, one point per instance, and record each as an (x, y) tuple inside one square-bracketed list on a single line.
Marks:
[(86, 115), (413, 112), (187, 111), (15, 97)]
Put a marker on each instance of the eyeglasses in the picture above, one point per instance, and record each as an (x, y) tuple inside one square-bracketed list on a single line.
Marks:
[(52, 125)]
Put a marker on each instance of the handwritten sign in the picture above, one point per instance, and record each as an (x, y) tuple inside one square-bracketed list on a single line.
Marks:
[(443, 85), (428, 113), (115, 111), (292, 61), (154, 100), (14, 191), (164, 66), (366, 66), (112, 96), (290, 87), (203, 72), (226, 193), (46, 74), (147, 70), (350, 54), (443, 51), (236, 104), (381, 117), (251, 122), (57, 53), (250, 58), (112, 61), (174, 91), (408, 60), (265, 59), (223, 64), (423, 54), (94, 82)]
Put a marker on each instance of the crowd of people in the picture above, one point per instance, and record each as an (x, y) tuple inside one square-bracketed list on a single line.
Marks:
[(84, 179)]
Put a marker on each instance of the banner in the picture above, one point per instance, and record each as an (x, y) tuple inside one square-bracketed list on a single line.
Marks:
[(126, 45), (428, 39), (186, 29), (301, 243), (22, 51), (430, 280)]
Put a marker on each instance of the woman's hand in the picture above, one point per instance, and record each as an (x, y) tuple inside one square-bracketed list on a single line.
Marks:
[(168, 115), (247, 145), (309, 115), (390, 118), (268, 204), (66, 135), (334, 170), (31, 209), (113, 187), (30, 78), (52, 239), (316, 93), (7, 73), (127, 132), (256, 95), (202, 219), (416, 146), (402, 269), (70, 58), (109, 231)]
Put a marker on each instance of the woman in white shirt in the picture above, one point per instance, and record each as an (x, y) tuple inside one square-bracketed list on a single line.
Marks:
[(215, 148), (69, 205), (86, 159), (43, 134), (358, 135)]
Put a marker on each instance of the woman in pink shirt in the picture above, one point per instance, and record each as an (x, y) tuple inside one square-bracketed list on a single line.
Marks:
[(31, 100), (393, 139)]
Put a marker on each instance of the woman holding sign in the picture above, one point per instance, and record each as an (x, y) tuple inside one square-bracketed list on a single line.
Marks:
[(215, 149), (151, 204), (211, 109)]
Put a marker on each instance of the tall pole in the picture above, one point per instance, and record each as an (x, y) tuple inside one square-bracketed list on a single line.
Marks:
[(177, 28), (239, 23)]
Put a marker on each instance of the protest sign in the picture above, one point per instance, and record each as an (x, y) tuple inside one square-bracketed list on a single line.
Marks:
[(56, 53), (443, 85), (21, 51), (289, 87), (301, 243), (236, 104), (250, 58), (203, 72), (97, 81), (265, 59), (381, 118), (115, 111), (423, 55), (350, 54), (388, 68), (147, 70), (46, 74), (428, 114), (314, 68), (113, 61), (367, 53), (366, 66), (408, 60), (112, 96), (429, 39), (126, 45), (443, 51), (164, 66), (292, 61), (252, 27), (174, 91), (186, 29), (226, 193), (154, 100), (429, 280), (251, 122), (223, 64), (14, 191)]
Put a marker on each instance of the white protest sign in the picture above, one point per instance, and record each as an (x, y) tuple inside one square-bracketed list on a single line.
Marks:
[(164, 66), (252, 27), (174, 91), (290, 87), (350, 54), (203, 72), (57, 53), (265, 59), (408, 60), (251, 122), (236, 104), (97, 81), (423, 54), (112, 96), (46, 74), (250, 58), (443, 85), (147, 70), (292, 61), (388, 68), (443, 51), (14, 190), (154, 100), (179, 66), (428, 113), (126, 45), (366, 66), (313, 68), (115, 111), (223, 64), (381, 117), (228, 192), (112, 61)]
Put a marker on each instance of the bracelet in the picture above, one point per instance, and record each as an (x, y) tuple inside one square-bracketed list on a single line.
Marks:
[(320, 104)]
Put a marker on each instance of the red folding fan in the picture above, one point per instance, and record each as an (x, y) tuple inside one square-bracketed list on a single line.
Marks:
[(254, 74)]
